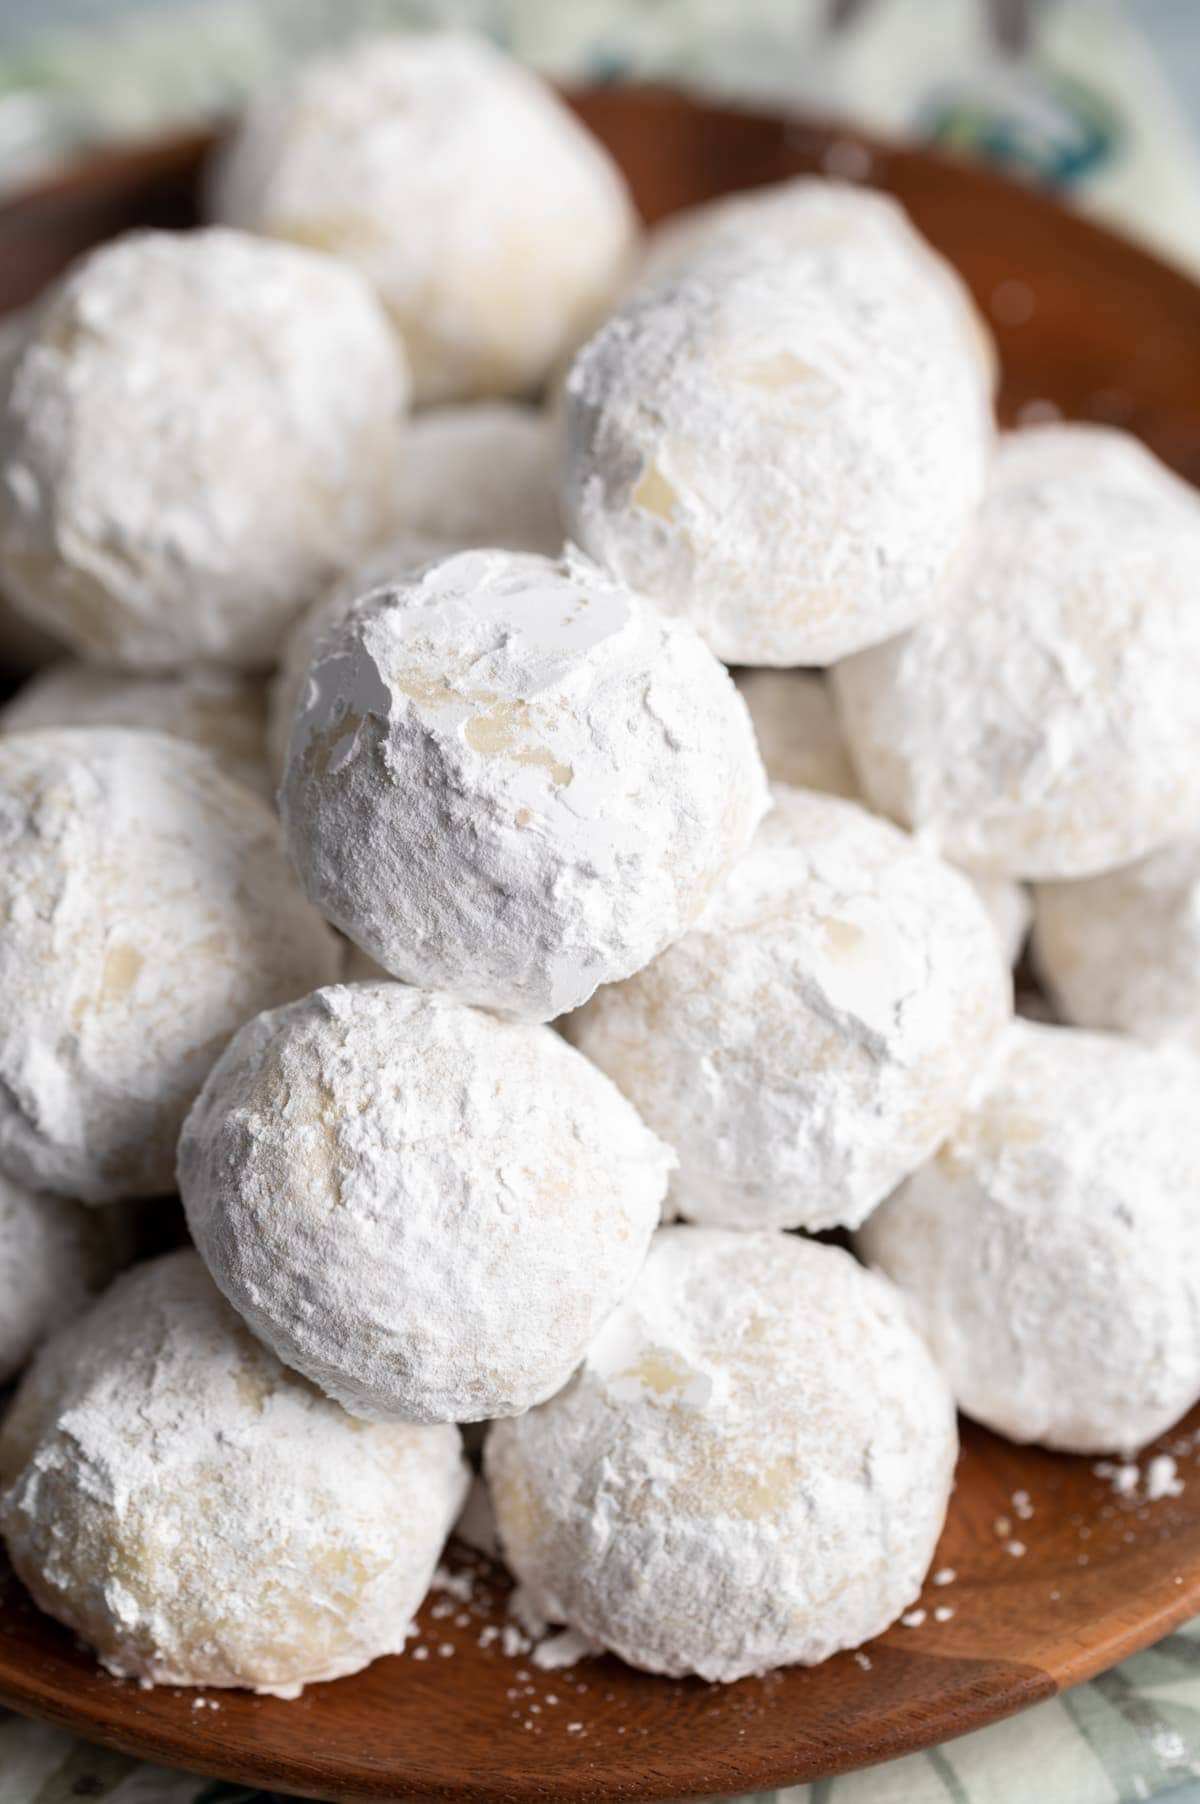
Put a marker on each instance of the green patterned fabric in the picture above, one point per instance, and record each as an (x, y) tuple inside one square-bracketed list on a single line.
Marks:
[(1084, 111)]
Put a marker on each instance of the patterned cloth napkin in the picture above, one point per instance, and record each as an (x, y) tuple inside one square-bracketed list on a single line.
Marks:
[(1067, 93)]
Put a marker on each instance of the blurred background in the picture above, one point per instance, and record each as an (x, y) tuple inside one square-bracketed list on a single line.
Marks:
[(1097, 99)]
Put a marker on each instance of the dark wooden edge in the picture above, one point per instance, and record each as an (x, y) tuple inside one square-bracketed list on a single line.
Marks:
[(167, 166)]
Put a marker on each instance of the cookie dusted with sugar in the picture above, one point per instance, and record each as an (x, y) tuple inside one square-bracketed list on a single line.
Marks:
[(149, 911), (801, 743), (808, 212), (1122, 951), (426, 1210), (511, 779), (787, 450), (750, 1469), (201, 431), (200, 1515), (220, 710), (54, 1256), (399, 559), (495, 228), (1045, 723), (812, 1039), (470, 476), (1051, 1250)]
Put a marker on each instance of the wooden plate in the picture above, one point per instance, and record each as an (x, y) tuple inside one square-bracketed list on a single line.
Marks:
[(1087, 325)]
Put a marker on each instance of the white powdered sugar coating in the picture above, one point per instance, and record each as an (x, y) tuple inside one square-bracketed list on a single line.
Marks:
[(200, 1515), (479, 475), (482, 475), (512, 780), (201, 431), (751, 1467), (54, 1255), (788, 450), (800, 741), (1122, 951), (148, 912), (403, 555), (808, 210), (813, 1038), (1051, 1250), (1045, 723), (495, 229), (426, 1210), (220, 710)]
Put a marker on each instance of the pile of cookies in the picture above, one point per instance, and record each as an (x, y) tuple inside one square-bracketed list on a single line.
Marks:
[(560, 932)]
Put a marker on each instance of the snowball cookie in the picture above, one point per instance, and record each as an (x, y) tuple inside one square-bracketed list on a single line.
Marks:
[(482, 475), (407, 552), (1046, 722), (801, 743), (201, 431), (202, 1516), (809, 210), (512, 780), (1051, 1250), (811, 1040), (1122, 951), (496, 230), (751, 1467), (54, 1255), (218, 709), (424, 1209), (148, 911), (788, 450), (479, 475)]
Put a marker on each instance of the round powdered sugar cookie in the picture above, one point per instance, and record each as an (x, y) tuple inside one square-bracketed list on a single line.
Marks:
[(512, 780), (812, 1039), (200, 1515), (1122, 951), (426, 1210), (800, 741), (787, 450), (220, 710), (1045, 722), (1051, 1250), (751, 1468), (201, 430), (54, 1255), (496, 230), (405, 554), (811, 210), (479, 475), (149, 911)]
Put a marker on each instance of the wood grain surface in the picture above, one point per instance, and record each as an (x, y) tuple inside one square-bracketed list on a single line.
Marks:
[(1089, 326)]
